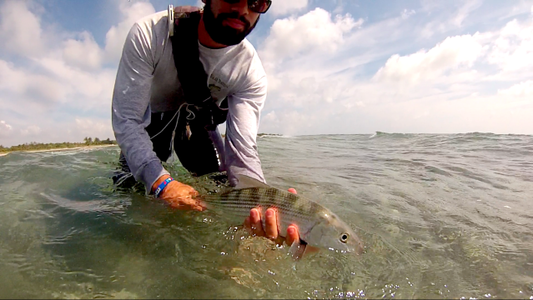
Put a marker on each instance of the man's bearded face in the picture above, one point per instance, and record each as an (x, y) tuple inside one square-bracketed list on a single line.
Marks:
[(227, 28)]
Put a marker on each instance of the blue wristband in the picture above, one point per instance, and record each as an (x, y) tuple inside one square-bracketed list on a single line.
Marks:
[(162, 186)]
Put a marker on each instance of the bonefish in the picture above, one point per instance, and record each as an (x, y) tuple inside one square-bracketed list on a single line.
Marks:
[(318, 226)]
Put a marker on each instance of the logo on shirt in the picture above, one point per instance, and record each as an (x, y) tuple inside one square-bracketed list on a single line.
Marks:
[(218, 82)]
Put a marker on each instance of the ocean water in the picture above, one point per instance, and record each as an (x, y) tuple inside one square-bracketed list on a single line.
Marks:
[(441, 216)]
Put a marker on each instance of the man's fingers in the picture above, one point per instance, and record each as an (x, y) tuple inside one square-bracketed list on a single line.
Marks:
[(248, 225), (292, 234), (187, 204), (182, 196), (255, 222), (199, 206), (271, 224), (271, 229), (194, 193)]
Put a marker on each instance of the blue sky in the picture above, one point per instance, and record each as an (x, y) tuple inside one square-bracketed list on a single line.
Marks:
[(333, 66)]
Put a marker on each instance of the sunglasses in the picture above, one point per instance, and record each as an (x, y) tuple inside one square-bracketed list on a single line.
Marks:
[(258, 6)]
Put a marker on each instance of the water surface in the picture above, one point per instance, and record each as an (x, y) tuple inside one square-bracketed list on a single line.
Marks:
[(442, 216)]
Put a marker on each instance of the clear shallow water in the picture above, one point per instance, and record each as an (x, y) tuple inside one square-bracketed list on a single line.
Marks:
[(442, 216)]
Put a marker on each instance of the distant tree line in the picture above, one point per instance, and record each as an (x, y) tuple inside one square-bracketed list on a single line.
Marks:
[(88, 141)]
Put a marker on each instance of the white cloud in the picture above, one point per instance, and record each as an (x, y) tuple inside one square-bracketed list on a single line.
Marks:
[(447, 16), (287, 7), (522, 89), (20, 29), (339, 8), (424, 65), (270, 117), (64, 78), (327, 73), (11, 79), (288, 122), (464, 11), (5, 129), (116, 36), (84, 53), (512, 49), (446, 87), (63, 84), (94, 88), (293, 55), (91, 127), (18, 82), (313, 32), (31, 131), (407, 13)]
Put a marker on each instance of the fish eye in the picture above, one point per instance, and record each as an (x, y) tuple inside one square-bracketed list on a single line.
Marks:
[(344, 237)]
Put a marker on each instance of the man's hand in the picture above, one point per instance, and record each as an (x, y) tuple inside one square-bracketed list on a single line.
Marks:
[(254, 225), (179, 195)]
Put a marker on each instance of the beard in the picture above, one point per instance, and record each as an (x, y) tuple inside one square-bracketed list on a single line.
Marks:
[(222, 34)]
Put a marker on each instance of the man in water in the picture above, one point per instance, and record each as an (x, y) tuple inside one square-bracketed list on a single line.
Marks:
[(151, 116)]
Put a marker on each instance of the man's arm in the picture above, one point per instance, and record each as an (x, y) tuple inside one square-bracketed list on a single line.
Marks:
[(242, 157), (130, 108), (179, 195), (242, 125), (131, 115)]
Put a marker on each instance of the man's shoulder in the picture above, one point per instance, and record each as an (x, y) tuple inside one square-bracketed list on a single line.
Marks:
[(248, 57), (254, 75), (248, 49), (154, 22), (151, 30), (153, 17)]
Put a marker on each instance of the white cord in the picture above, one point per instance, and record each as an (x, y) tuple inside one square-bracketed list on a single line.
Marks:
[(123, 178), (191, 113), (177, 113), (191, 116)]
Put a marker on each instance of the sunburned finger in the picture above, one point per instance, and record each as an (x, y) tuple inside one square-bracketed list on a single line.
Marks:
[(199, 207), (292, 234), (248, 225), (255, 218), (201, 204), (172, 203), (271, 224), (188, 203)]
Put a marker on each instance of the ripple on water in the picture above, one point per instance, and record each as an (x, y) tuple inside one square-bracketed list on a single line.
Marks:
[(442, 216)]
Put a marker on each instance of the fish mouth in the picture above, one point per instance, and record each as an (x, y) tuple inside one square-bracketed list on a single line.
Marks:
[(358, 248)]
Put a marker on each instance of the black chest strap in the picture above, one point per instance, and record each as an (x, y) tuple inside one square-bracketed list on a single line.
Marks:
[(191, 73), (184, 39), (197, 137)]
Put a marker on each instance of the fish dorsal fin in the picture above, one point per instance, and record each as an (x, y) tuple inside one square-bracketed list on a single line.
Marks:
[(249, 182)]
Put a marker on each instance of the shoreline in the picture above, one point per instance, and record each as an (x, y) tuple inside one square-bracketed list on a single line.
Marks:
[(60, 149)]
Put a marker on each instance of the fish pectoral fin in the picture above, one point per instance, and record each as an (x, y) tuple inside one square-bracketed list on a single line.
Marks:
[(297, 249), (249, 182)]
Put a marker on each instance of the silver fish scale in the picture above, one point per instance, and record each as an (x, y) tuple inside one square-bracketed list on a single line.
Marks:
[(292, 208)]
